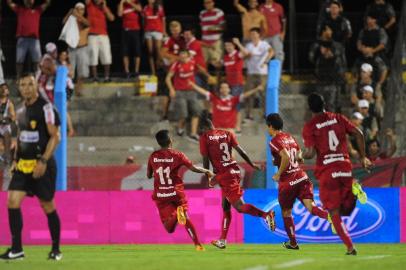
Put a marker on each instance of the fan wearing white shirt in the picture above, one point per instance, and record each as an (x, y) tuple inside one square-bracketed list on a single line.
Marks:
[(257, 54)]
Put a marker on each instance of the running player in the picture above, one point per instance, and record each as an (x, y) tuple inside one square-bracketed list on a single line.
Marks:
[(168, 193), (216, 147), (325, 136), (293, 181)]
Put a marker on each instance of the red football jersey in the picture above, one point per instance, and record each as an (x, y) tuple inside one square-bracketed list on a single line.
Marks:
[(234, 64), (165, 164), (195, 49), (131, 19), (327, 132), (174, 45), (218, 145), (183, 73), (153, 21), (285, 141), (224, 110)]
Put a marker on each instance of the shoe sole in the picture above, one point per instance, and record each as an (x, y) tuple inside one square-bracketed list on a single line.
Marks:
[(270, 220), (181, 216), (219, 247), (289, 247)]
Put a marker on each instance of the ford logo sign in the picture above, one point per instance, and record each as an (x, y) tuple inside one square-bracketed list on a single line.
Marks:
[(364, 220)]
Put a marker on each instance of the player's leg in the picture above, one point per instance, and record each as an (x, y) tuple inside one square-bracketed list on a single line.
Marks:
[(225, 225), (250, 209), (167, 214), (342, 231), (290, 229), (314, 209), (306, 196), (190, 228), (348, 198), (14, 200)]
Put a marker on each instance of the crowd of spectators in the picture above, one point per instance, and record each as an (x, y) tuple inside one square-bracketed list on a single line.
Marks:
[(369, 72)]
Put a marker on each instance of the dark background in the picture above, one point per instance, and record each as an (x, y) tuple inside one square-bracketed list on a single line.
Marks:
[(187, 13)]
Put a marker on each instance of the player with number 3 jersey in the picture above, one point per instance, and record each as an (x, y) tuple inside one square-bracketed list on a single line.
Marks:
[(168, 194), (325, 136), (293, 181), (216, 147)]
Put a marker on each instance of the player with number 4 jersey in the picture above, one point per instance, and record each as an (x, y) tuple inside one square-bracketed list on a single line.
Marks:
[(216, 147), (293, 181), (168, 194), (325, 136)]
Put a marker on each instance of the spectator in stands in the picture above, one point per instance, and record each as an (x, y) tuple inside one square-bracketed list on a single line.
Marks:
[(130, 34), (324, 11), (276, 20), (363, 78), (225, 105), (374, 150), (340, 25), (212, 25), (1, 66), (130, 160), (99, 42), (79, 56), (7, 117), (329, 71), (195, 50), (184, 98), (258, 53), (372, 40), (171, 47), (369, 124), (375, 105), (251, 18), (379, 72), (155, 29), (386, 16), (28, 21), (46, 75)]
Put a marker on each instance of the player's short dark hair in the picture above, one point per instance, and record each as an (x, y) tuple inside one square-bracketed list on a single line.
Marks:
[(274, 120), (316, 102), (206, 123), (256, 29), (162, 137)]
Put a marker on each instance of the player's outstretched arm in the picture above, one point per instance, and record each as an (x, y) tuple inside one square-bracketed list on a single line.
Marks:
[(245, 156), (284, 164), (253, 91), (359, 137), (198, 169)]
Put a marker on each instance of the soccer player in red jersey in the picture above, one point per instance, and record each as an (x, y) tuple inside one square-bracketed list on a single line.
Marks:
[(293, 181), (325, 136), (168, 193), (224, 105), (216, 146)]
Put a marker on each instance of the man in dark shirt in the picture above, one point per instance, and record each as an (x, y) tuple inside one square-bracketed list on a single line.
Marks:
[(34, 168), (386, 16), (340, 25)]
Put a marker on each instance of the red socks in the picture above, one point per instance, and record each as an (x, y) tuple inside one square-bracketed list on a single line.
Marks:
[(317, 211), (226, 224), (252, 210), (192, 232), (290, 229), (342, 231)]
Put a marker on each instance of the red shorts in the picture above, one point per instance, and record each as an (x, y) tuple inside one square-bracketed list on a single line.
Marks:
[(287, 193), (336, 187), (167, 208), (230, 186)]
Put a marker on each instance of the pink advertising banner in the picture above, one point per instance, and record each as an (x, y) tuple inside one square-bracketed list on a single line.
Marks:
[(403, 215), (119, 217)]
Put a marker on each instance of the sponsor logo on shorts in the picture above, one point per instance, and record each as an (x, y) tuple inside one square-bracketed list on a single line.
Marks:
[(234, 171), (165, 195), (341, 174), (364, 220), (294, 182), (168, 160), (226, 164), (29, 136), (326, 124)]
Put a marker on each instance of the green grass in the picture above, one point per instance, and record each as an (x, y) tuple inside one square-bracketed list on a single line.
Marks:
[(235, 257)]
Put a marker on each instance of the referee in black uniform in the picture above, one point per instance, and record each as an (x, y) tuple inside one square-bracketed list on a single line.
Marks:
[(34, 168)]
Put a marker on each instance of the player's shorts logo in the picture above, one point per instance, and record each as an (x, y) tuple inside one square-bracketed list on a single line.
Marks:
[(364, 220)]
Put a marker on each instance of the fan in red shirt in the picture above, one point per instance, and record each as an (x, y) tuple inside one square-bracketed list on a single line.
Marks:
[(293, 181), (169, 194), (325, 136), (224, 106), (155, 29), (216, 146), (194, 46), (172, 46)]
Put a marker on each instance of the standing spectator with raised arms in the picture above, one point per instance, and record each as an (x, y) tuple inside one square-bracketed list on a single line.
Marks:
[(155, 29), (28, 20), (99, 42), (250, 18)]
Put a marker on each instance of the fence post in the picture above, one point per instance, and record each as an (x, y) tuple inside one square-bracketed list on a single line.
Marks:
[(272, 106), (61, 153)]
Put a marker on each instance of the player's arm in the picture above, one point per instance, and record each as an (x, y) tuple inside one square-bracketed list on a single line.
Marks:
[(253, 91), (198, 169), (150, 173), (284, 164), (206, 162), (360, 139), (240, 8), (245, 156), (198, 89), (53, 142)]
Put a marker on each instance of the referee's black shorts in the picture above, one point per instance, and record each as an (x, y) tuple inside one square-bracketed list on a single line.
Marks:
[(43, 187)]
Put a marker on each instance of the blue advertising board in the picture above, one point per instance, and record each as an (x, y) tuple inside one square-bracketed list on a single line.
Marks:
[(377, 221)]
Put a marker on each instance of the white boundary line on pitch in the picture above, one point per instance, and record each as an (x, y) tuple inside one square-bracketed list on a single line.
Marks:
[(258, 267), (373, 257), (293, 263)]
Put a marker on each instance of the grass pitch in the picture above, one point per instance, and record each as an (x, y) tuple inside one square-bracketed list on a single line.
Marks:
[(234, 257)]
